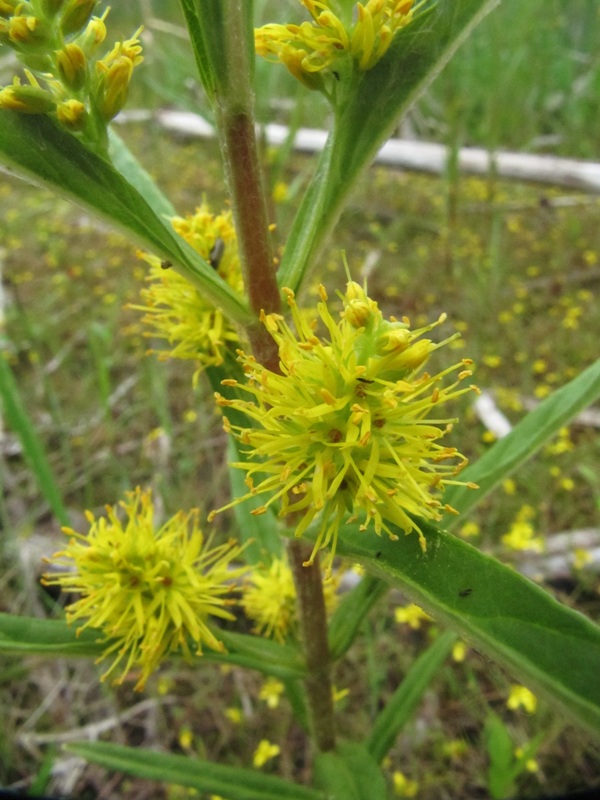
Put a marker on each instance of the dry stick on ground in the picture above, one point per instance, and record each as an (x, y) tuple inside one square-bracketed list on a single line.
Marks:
[(411, 155)]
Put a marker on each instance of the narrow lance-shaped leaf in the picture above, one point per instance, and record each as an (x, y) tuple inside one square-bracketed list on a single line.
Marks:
[(349, 773), (38, 149), (523, 441), (49, 637), (366, 116), (20, 423), (233, 783), (130, 168), (402, 704), (551, 648)]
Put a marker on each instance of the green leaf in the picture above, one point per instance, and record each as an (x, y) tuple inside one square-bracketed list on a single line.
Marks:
[(551, 648), (402, 704), (365, 118), (51, 637), (334, 777), (230, 782), (271, 658), (349, 773), (47, 637), (130, 168), (38, 149), (20, 423), (222, 36), (499, 747), (522, 442), (348, 616)]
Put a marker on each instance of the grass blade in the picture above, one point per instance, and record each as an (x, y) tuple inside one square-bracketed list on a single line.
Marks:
[(523, 441), (33, 449), (233, 783)]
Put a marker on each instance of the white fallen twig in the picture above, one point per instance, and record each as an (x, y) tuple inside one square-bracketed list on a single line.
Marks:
[(411, 155)]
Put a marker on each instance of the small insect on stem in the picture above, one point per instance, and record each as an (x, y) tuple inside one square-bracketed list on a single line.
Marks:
[(166, 264), (216, 253)]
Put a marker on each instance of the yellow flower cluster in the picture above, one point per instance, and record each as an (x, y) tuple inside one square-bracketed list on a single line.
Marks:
[(343, 431), (521, 534), (149, 589), (328, 44), (57, 42), (176, 310), (269, 600)]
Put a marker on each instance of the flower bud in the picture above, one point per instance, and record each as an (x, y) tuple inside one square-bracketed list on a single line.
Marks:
[(26, 99), (72, 65), (417, 354), (7, 7), (75, 15), (24, 30), (93, 35), (357, 313), (114, 86), (72, 115)]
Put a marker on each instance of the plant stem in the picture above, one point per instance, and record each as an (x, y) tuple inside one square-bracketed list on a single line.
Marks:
[(250, 211), (313, 626), (235, 121)]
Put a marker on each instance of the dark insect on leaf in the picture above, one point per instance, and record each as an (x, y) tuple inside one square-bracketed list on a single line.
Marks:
[(465, 592), (166, 264)]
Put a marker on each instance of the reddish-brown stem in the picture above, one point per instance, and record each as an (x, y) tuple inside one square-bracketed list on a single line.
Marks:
[(238, 138), (250, 211), (313, 626)]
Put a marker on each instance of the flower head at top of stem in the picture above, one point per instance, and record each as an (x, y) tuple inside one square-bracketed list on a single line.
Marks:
[(348, 430), (176, 310), (150, 589), (57, 44), (323, 48)]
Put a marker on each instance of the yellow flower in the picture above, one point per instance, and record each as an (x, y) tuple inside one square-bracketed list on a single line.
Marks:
[(531, 765), (176, 310), (114, 73), (581, 558), (521, 697), (185, 737), (342, 433), (58, 45), (411, 615), (469, 530), (313, 51), (265, 751), (403, 786), (148, 589), (521, 536), (234, 715), (269, 599), (271, 691), (459, 651), (339, 694)]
